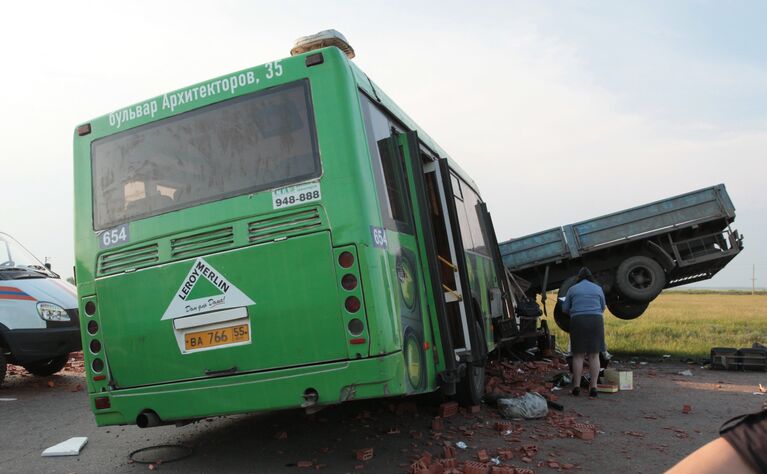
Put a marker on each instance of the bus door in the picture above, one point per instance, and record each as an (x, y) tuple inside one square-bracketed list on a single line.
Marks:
[(442, 252)]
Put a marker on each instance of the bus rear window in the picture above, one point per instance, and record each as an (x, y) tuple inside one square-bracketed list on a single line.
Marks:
[(255, 142)]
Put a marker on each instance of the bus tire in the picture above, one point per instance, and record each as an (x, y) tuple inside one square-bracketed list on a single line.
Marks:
[(3, 366), (562, 319), (47, 367), (627, 309), (640, 278), (471, 389)]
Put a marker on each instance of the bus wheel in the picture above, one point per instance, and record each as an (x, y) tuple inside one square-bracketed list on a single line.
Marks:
[(47, 367), (471, 389)]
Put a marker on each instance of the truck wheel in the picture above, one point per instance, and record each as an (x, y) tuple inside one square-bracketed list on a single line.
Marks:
[(3, 366), (47, 367), (471, 389), (627, 309), (562, 319), (640, 278)]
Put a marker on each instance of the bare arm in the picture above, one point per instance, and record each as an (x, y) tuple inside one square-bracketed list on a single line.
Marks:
[(715, 457)]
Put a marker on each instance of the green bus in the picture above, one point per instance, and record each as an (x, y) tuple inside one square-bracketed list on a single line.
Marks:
[(283, 236)]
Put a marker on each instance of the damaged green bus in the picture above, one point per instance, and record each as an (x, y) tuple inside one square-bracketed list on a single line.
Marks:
[(283, 236)]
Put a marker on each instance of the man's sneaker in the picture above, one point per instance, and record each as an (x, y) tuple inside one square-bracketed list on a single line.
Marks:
[(593, 392), (576, 391)]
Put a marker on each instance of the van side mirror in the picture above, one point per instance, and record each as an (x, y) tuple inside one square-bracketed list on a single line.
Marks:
[(48, 265)]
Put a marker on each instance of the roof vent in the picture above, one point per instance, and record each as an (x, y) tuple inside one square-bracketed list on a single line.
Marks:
[(321, 40)]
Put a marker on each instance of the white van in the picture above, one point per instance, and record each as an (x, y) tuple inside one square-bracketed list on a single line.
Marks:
[(39, 324)]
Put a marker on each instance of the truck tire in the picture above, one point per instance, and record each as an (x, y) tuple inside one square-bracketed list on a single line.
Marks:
[(627, 309), (562, 319), (471, 388), (3, 366), (640, 278), (47, 367)]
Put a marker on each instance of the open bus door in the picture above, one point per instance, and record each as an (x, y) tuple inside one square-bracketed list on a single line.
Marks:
[(441, 248)]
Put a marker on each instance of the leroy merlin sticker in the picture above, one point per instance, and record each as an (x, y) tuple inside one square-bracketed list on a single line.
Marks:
[(204, 289)]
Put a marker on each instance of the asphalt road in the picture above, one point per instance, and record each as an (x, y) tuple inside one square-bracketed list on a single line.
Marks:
[(643, 430)]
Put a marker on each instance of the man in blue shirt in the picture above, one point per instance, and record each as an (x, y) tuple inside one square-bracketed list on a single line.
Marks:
[(585, 303)]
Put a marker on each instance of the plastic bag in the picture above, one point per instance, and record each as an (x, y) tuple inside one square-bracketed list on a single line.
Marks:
[(530, 405)]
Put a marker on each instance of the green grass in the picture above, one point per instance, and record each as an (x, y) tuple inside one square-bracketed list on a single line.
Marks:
[(685, 324)]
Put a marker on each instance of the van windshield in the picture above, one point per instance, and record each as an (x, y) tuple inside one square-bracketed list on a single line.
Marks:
[(14, 256)]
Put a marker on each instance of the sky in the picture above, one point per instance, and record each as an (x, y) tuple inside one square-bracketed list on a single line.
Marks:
[(560, 111)]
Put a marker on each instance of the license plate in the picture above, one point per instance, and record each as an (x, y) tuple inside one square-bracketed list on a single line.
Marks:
[(216, 337)]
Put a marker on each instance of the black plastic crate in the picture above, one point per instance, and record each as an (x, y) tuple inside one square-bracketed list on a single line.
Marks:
[(753, 359), (725, 358)]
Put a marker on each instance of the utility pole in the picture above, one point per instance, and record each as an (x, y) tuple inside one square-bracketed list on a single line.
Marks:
[(753, 279)]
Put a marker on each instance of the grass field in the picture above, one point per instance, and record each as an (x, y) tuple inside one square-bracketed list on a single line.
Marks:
[(685, 324)]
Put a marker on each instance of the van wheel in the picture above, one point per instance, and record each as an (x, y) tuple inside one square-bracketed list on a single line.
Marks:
[(640, 278), (3, 366), (43, 368), (471, 389)]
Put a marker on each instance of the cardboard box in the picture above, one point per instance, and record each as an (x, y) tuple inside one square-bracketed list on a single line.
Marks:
[(624, 379)]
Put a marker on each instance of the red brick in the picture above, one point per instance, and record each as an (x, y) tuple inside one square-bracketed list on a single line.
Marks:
[(448, 409), (505, 454), (474, 409), (583, 432), (482, 456), (448, 463), (364, 454), (437, 424), (504, 426), (418, 467), (449, 452), (436, 468), (686, 409), (522, 470), (426, 458), (503, 470), (473, 467)]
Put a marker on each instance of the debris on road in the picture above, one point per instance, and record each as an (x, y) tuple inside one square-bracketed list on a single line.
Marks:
[(529, 406), (686, 409), (686, 373), (364, 454), (70, 447)]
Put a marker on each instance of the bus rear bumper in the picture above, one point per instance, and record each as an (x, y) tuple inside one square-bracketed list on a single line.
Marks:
[(335, 382)]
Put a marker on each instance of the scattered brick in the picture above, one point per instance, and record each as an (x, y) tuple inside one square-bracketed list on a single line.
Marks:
[(482, 456), (473, 467), (437, 424), (474, 409), (504, 426), (686, 409), (503, 470), (281, 435), (449, 452), (364, 454), (505, 454), (448, 409), (584, 432)]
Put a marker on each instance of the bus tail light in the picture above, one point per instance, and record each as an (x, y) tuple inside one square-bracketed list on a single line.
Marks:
[(102, 403), (350, 288), (352, 304), (346, 259)]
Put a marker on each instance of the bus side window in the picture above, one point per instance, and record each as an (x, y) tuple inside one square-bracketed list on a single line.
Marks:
[(389, 174)]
